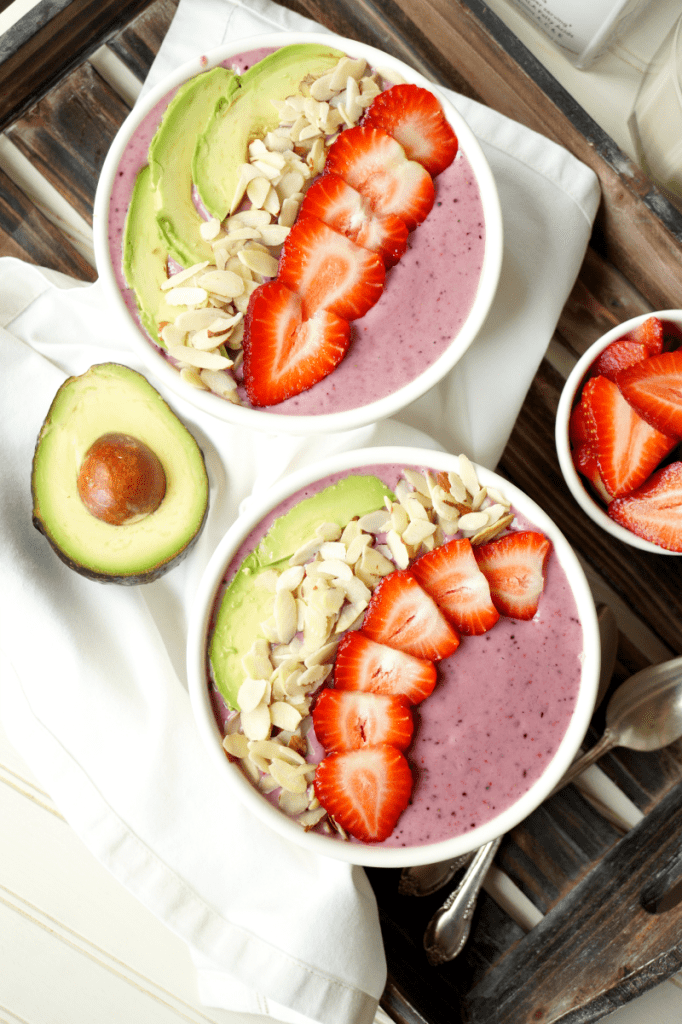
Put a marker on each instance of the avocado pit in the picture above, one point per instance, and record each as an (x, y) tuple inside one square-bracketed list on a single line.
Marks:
[(121, 479)]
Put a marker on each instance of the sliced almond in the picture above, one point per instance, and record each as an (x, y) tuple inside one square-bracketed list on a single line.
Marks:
[(186, 296), (284, 716), (259, 262), (182, 275), (202, 360)]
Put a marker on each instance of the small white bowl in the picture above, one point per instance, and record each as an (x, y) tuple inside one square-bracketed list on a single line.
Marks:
[(379, 855), (569, 394), (260, 419)]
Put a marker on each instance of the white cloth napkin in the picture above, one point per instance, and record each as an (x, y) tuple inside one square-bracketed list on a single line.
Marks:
[(92, 682)]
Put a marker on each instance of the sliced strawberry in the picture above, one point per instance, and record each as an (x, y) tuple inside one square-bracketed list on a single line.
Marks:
[(284, 354), (654, 389), (347, 720), (376, 165), (414, 118), (618, 356), (627, 448), (650, 333), (344, 209), (654, 510), (329, 271), (514, 566), (451, 576), (364, 664), (577, 425), (365, 790), (586, 462), (401, 614)]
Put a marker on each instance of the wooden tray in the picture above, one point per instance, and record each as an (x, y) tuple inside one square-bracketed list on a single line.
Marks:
[(608, 929)]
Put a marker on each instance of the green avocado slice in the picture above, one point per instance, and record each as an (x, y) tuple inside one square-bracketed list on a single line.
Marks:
[(145, 258), (244, 606), (170, 159), (248, 114), (111, 398)]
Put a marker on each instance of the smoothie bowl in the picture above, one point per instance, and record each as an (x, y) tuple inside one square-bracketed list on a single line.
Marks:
[(300, 233), (393, 656), (619, 429)]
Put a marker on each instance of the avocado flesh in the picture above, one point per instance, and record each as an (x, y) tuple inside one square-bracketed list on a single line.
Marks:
[(170, 159), (145, 259), (249, 114), (244, 606), (113, 398)]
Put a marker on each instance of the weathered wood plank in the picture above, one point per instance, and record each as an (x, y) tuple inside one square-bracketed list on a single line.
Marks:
[(67, 134), (599, 946), (139, 41), (28, 235)]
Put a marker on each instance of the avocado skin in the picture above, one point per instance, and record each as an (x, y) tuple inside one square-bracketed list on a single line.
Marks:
[(243, 607), (41, 522)]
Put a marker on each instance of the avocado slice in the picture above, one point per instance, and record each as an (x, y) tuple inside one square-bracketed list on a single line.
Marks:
[(249, 114), (244, 606), (110, 398), (145, 258), (170, 159)]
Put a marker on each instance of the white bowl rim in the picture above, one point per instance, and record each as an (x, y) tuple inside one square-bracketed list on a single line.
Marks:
[(356, 853), (325, 422), (563, 445)]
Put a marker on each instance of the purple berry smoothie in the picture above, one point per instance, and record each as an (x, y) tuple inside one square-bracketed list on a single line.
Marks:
[(499, 710), (426, 299)]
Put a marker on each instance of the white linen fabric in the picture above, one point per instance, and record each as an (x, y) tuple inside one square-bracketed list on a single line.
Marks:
[(92, 683)]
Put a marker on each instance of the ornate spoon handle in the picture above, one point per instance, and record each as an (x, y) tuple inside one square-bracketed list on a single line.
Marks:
[(448, 929)]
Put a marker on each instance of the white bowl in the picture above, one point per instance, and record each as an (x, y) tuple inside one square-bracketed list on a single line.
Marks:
[(379, 855), (569, 394), (260, 419)]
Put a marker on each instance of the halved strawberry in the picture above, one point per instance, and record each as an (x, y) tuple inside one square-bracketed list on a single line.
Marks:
[(414, 118), (586, 462), (376, 165), (329, 271), (650, 333), (514, 566), (452, 577), (344, 209), (347, 720), (654, 389), (628, 449), (365, 790), (654, 510), (283, 353), (364, 664), (577, 425), (619, 355), (401, 614)]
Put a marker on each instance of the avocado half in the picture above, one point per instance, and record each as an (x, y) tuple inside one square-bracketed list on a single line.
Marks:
[(111, 398)]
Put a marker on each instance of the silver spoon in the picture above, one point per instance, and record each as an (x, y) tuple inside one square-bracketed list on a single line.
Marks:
[(425, 879), (645, 714)]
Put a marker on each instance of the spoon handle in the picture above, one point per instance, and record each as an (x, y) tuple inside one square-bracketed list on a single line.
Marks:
[(606, 743), (448, 930)]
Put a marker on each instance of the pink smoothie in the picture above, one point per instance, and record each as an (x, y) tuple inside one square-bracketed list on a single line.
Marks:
[(499, 711), (426, 299)]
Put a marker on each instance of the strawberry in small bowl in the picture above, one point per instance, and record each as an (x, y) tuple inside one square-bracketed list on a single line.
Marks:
[(619, 428), (393, 658)]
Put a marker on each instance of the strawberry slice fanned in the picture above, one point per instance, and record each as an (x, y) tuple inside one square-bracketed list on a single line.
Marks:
[(401, 614), (627, 448), (347, 720), (514, 566), (653, 388), (414, 118), (283, 353), (374, 164), (363, 664), (450, 574), (650, 333), (329, 271), (654, 510), (619, 355), (344, 209), (365, 790)]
